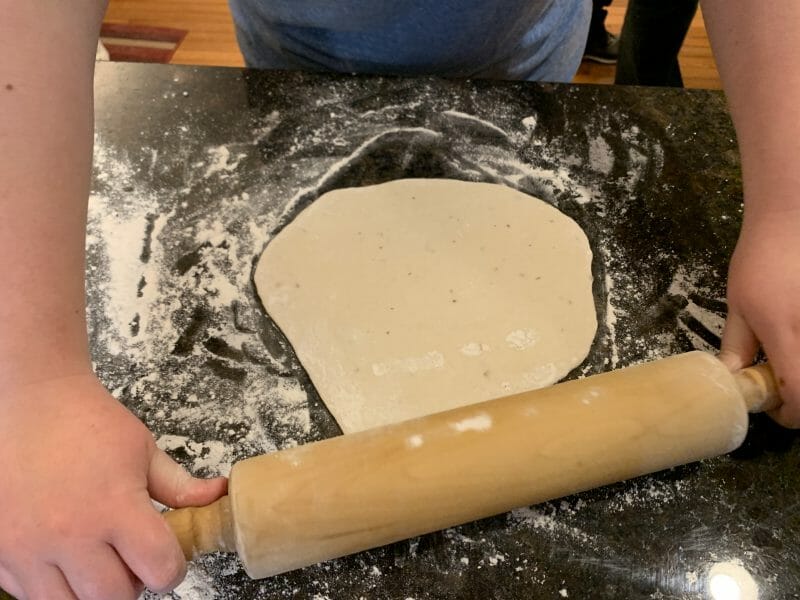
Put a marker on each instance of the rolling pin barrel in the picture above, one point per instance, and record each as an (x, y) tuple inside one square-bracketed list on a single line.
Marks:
[(311, 503)]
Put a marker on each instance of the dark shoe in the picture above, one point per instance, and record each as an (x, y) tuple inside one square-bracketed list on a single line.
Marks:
[(603, 49)]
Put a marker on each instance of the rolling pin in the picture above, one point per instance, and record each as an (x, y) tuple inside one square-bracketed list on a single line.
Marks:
[(307, 504)]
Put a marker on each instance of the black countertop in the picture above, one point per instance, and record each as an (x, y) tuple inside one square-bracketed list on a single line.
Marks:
[(196, 169)]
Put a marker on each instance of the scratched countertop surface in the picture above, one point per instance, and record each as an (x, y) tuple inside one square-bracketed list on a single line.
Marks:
[(196, 169)]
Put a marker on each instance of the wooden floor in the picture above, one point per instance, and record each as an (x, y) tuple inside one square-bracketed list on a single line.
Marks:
[(211, 39)]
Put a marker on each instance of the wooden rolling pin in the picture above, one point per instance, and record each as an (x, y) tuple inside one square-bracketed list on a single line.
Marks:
[(311, 503)]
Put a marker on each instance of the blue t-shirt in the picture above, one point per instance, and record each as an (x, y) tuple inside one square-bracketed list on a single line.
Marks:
[(507, 39)]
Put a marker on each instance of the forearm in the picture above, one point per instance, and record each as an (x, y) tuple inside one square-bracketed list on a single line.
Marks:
[(756, 45), (46, 123)]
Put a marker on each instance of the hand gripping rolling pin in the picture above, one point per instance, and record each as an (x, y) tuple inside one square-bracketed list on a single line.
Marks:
[(300, 506)]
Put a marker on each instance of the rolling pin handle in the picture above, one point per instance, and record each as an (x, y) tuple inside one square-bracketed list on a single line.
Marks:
[(759, 388), (204, 529)]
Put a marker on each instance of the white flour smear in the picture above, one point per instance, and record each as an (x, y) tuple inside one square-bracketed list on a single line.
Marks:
[(144, 306), (337, 166), (685, 285), (460, 115)]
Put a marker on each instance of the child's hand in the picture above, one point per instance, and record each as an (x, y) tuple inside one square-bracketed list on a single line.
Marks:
[(79, 470), (764, 303)]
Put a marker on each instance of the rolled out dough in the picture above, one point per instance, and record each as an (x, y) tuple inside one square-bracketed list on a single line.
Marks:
[(421, 295)]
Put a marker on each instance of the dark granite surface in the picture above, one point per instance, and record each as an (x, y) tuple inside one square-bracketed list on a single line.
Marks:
[(195, 170)]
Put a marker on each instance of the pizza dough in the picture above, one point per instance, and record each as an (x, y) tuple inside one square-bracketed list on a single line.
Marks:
[(421, 295)]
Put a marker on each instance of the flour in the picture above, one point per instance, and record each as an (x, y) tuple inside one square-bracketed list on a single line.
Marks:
[(601, 156), (127, 238), (212, 276), (611, 322), (685, 284), (491, 126), (495, 559), (646, 492), (358, 152), (521, 339), (144, 308), (546, 521), (207, 457), (196, 586), (541, 376), (529, 123), (474, 349), (481, 422), (412, 364), (221, 161), (555, 180), (263, 131)]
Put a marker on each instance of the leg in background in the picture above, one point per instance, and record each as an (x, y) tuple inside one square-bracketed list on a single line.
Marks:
[(601, 46), (652, 36)]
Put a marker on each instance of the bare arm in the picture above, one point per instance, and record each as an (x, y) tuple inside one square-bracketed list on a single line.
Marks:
[(78, 469), (756, 45), (47, 49)]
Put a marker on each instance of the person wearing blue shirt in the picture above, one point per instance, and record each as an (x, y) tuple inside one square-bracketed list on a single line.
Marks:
[(518, 39)]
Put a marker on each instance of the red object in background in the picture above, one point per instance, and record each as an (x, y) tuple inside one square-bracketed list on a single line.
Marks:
[(135, 43)]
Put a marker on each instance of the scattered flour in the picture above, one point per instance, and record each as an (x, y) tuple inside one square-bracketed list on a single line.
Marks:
[(144, 313), (495, 559), (545, 520), (221, 161), (474, 349), (685, 284), (483, 123), (541, 376), (196, 586), (647, 492), (521, 339), (481, 422), (208, 457), (411, 364), (529, 123), (601, 157), (611, 321), (361, 150)]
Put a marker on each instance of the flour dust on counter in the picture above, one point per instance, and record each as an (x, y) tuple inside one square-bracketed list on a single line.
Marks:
[(184, 203), (179, 335)]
